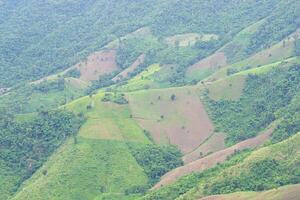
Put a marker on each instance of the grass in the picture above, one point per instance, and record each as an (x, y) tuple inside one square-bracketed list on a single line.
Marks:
[(90, 169), (279, 52), (143, 80), (286, 192), (230, 88), (107, 120)]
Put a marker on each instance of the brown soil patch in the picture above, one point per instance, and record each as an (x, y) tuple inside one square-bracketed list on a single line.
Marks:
[(124, 74), (215, 143), (217, 60), (213, 159), (183, 122), (97, 64)]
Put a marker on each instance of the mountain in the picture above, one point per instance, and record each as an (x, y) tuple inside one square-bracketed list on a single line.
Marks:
[(159, 99)]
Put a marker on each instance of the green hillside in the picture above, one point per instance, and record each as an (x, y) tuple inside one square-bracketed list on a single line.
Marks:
[(156, 99), (266, 168)]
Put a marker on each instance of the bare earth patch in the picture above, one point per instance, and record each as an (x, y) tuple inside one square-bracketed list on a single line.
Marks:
[(213, 159), (215, 143), (182, 121), (97, 64)]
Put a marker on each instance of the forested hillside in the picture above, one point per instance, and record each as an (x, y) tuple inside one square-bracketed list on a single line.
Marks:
[(149, 99)]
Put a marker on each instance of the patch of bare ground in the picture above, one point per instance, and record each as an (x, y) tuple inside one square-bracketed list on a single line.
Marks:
[(213, 159), (213, 144), (182, 121), (216, 60), (97, 64)]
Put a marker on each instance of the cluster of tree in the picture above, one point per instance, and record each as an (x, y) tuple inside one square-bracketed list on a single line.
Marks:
[(75, 73), (284, 20), (186, 183), (290, 120), (46, 86), (81, 28), (28, 98), (103, 81), (263, 95), (156, 160), (84, 27), (115, 98), (26, 145)]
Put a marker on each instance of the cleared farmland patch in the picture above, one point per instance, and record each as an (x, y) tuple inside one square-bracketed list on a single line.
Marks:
[(207, 66), (189, 39), (213, 159), (213, 144), (174, 116), (97, 64)]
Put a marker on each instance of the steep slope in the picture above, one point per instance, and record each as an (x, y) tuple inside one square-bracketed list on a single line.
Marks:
[(290, 192), (263, 169)]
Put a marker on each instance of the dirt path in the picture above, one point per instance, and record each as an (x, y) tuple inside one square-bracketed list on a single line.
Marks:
[(213, 159)]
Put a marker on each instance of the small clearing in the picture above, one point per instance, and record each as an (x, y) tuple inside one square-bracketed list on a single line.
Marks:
[(97, 64), (213, 159), (189, 39), (215, 143), (203, 67)]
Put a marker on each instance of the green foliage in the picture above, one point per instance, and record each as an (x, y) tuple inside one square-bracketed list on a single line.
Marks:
[(46, 85), (229, 19), (263, 169), (263, 95), (25, 146), (156, 160), (284, 20), (75, 73), (115, 98), (297, 47), (290, 123), (103, 81), (186, 183), (30, 98), (62, 33)]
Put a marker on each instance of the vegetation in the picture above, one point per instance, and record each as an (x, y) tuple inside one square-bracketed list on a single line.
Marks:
[(246, 171), (256, 108), (115, 98), (116, 142), (156, 160), (26, 145)]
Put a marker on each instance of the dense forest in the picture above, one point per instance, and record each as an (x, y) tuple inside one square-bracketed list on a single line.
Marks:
[(26, 144)]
